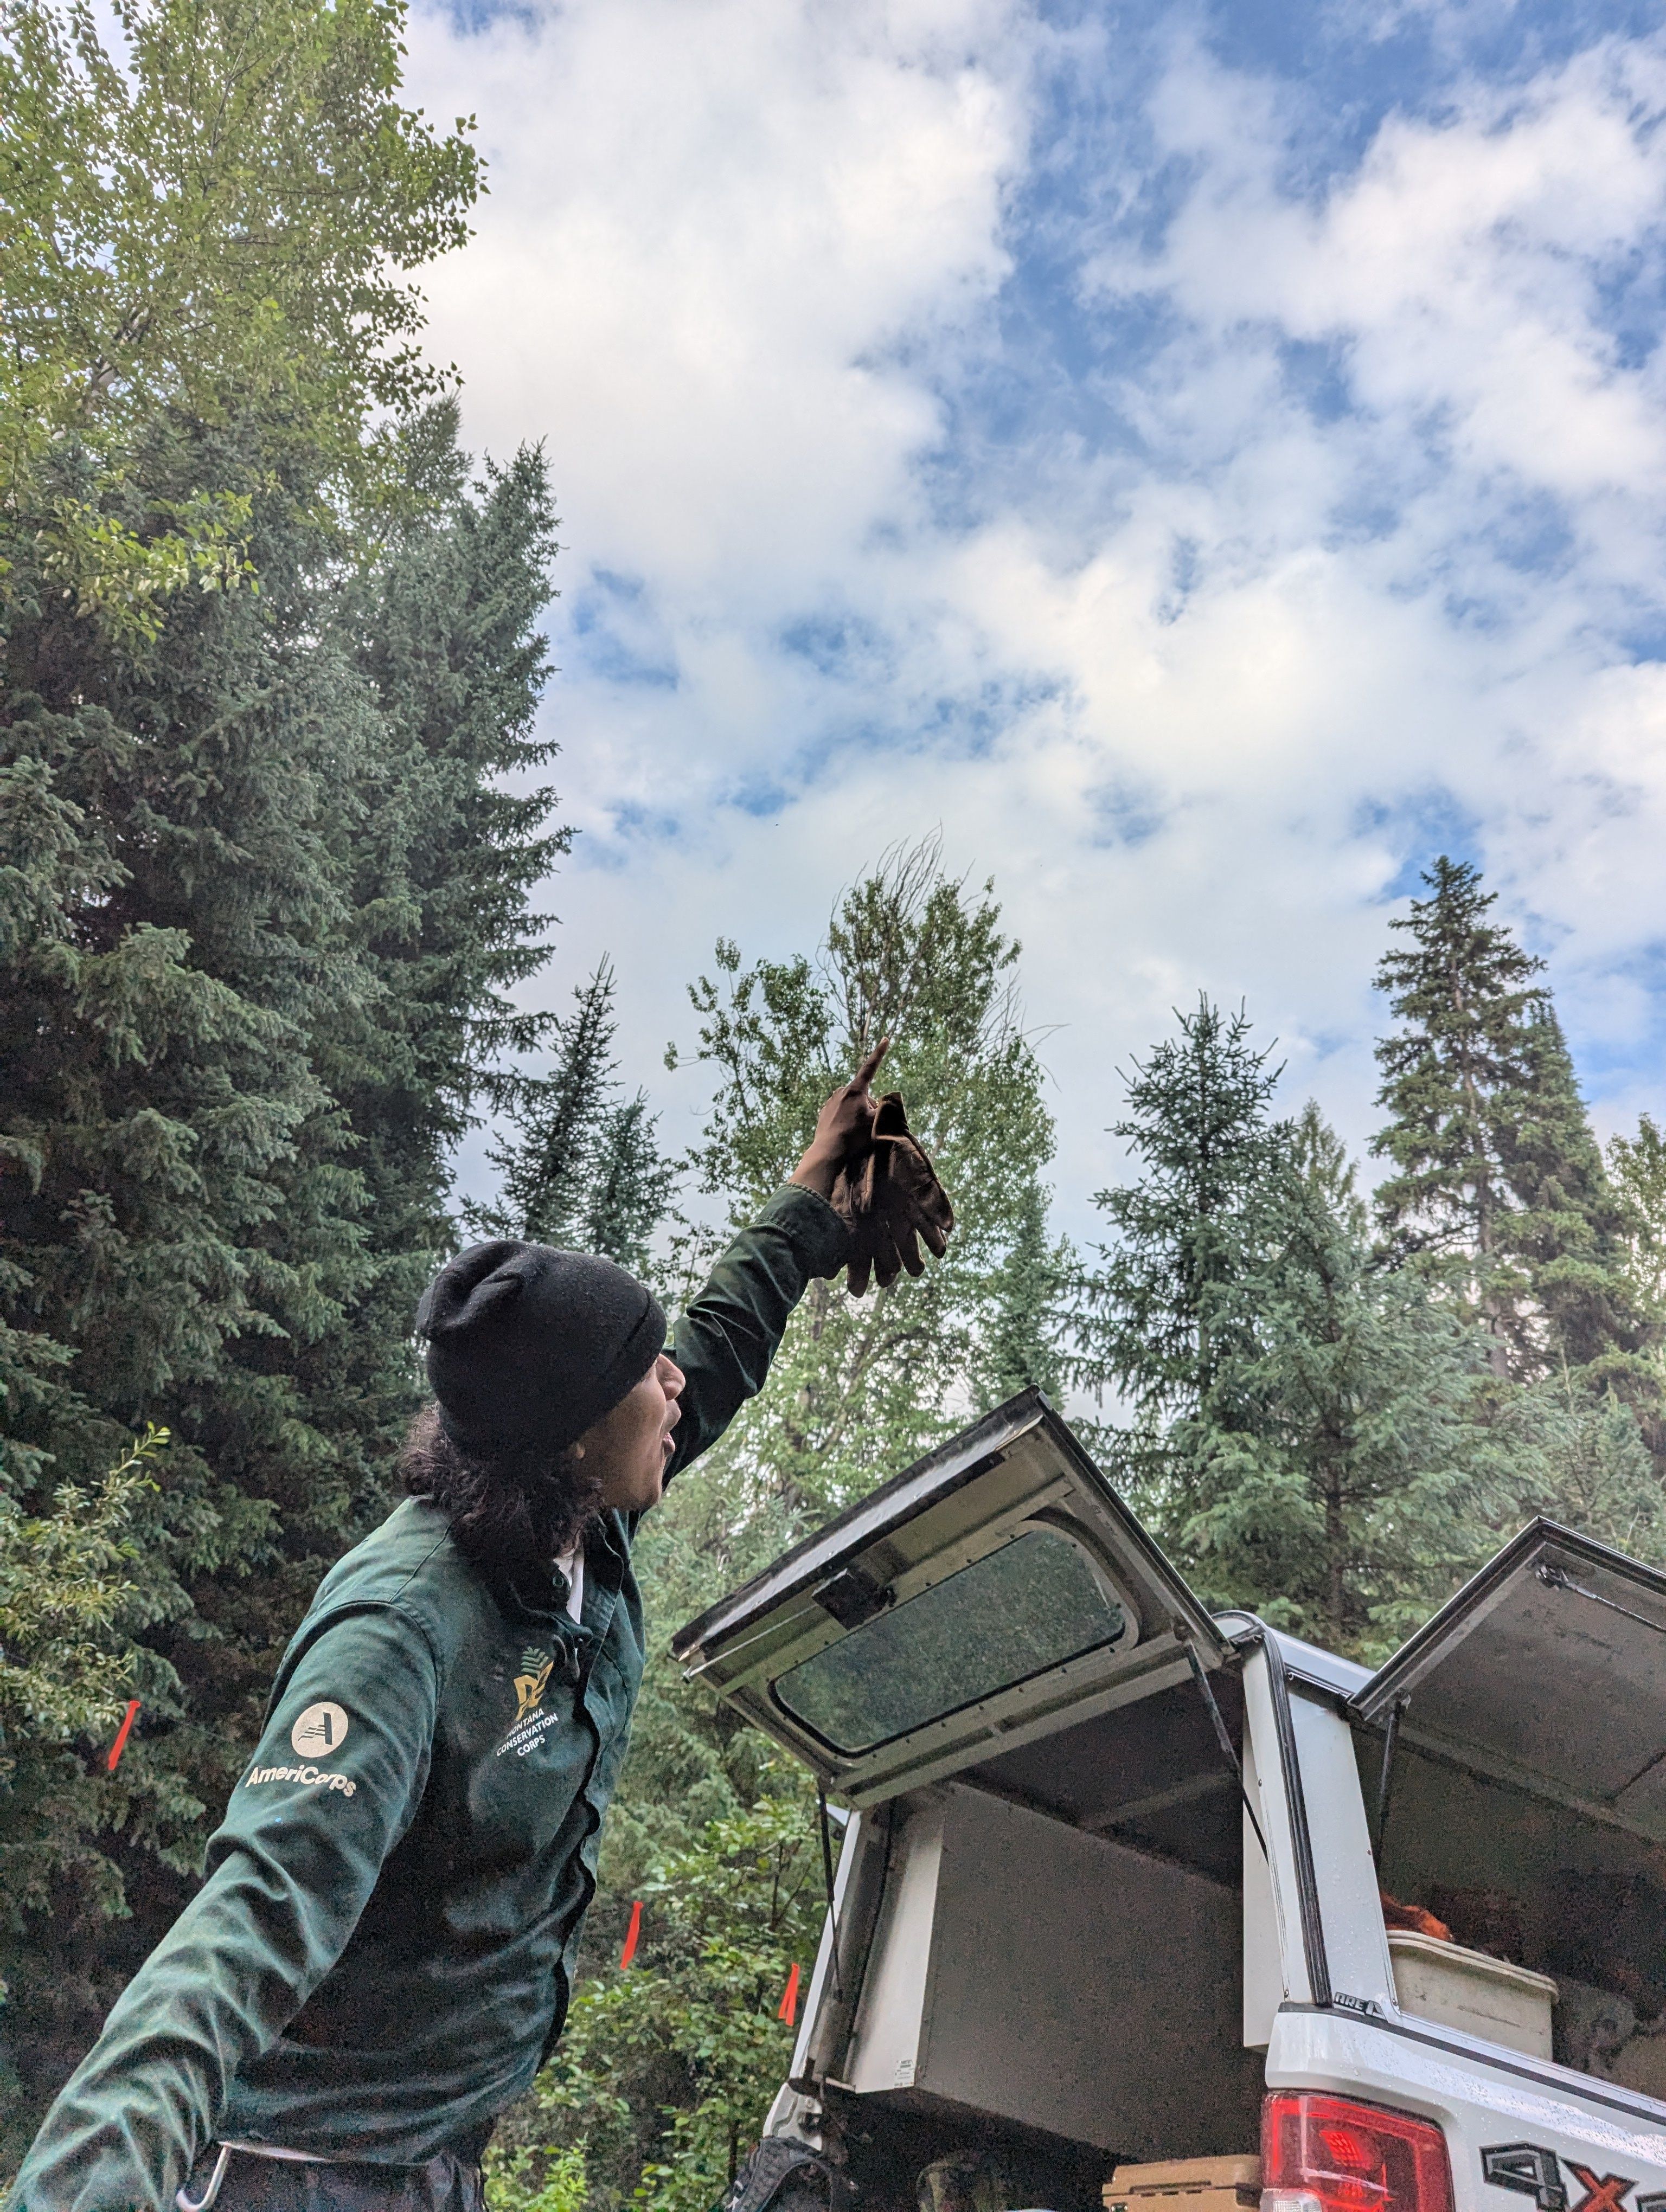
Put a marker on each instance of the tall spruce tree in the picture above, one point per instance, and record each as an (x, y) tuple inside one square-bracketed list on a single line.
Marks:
[(217, 1237), (1337, 1477), (264, 896), (455, 834), (1147, 1324), (580, 1163), (1499, 1179), (1455, 1076)]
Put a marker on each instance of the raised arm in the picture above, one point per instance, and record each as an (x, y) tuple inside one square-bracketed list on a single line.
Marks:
[(334, 1785), (725, 1341)]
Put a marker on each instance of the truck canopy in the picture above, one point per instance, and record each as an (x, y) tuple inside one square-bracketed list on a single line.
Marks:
[(996, 1588), (1546, 1671)]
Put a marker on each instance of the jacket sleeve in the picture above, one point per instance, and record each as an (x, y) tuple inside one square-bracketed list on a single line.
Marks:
[(337, 1780), (724, 1341)]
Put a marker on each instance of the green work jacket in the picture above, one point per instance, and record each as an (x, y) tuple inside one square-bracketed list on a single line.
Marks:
[(381, 1956)]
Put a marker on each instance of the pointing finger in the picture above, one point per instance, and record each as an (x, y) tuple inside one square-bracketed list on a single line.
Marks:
[(864, 1075)]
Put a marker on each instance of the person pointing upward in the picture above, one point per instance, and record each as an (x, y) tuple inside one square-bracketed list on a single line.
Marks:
[(380, 1957)]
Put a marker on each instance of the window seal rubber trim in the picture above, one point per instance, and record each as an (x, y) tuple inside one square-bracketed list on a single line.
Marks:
[(1307, 1880)]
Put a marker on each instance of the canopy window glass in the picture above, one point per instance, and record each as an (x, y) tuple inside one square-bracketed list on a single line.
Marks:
[(1006, 1617), (994, 1586)]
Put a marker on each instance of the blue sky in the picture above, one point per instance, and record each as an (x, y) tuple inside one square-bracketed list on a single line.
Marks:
[(1205, 460)]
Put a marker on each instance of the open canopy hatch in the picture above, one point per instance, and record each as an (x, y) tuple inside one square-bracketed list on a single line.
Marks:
[(1548, 1670), (996, 1587)]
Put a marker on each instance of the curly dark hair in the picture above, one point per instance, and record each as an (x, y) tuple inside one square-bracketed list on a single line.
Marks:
[(509, 1514)]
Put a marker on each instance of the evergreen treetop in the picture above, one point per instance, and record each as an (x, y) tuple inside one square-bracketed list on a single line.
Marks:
[(580, 1163), (1199, 1129), (1457, 1071), (1499, 1177)]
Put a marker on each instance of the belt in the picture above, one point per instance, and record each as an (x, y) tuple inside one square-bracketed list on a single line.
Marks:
[(465, 2171), (204, 2203)]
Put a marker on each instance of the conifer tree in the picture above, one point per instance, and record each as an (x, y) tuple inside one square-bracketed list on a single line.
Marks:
[(456, 834), (1021, 1342), (1337, 1475), (1455, 1077), (580, 1164), (1498, 1178), (1570, 1230), (631, 1194), (197, 1227), (265, 895), (1301, 1432), (1149, 1320), (1580, 1453), (1637, 1167)]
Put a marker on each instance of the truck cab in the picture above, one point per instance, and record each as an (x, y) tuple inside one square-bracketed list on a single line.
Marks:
[(1111, 1901)]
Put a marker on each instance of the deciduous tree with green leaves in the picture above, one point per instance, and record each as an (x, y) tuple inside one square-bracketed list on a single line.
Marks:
[(915, 954), (668, 2065), (859, 1387)]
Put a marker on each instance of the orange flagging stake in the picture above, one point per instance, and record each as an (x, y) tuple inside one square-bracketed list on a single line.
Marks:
[(122, 1734), (631, 1934), (789, 2004)]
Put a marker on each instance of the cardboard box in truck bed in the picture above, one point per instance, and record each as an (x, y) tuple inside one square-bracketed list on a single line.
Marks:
[(1186, 2184)]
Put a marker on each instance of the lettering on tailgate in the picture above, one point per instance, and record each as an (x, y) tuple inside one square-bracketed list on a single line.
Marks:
[(1537, 2172)]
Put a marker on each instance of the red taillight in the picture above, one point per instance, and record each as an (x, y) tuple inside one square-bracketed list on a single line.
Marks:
[(1330, 2154)]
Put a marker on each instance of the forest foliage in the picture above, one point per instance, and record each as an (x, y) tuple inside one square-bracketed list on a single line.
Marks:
[(273, 828), (268, 652)]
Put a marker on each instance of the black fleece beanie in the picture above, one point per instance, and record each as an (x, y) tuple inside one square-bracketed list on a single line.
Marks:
[(528, 1345)]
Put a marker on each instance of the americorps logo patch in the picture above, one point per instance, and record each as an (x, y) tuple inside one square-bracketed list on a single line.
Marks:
[(320, 1728)]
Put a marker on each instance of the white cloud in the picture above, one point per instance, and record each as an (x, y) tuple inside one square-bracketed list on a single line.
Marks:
[(740, 264), (709, 217)]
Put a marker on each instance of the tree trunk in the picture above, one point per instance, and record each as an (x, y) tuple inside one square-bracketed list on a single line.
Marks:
[(1335, 1556)]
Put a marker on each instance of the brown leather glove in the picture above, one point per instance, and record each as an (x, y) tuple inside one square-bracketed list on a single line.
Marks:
[(888, 1198)]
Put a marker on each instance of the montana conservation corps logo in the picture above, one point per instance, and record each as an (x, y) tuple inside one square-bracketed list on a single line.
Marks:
[(531, 1720)]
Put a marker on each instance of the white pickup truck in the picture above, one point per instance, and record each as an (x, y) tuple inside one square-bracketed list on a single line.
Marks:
[(1111, 1892)]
